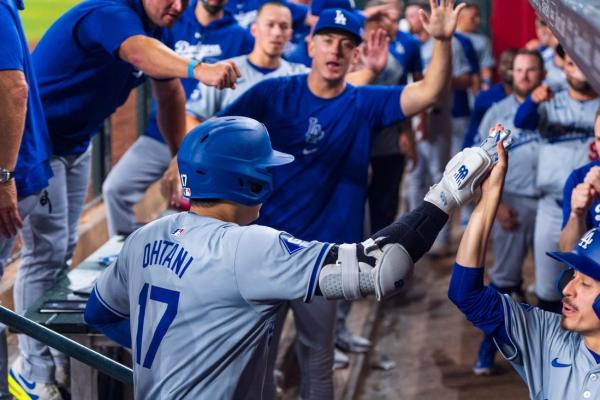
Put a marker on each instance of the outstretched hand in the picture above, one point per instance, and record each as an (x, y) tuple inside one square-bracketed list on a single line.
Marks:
[(374, 51), (441, 24), (491, 189)]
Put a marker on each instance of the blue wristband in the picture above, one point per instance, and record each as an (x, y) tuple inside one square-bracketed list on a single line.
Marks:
[(190, 69)]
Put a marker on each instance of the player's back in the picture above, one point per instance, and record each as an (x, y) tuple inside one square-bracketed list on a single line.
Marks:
[(193, 334)]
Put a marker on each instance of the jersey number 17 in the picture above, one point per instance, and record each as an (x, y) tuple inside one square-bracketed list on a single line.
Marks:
[(161, 295)]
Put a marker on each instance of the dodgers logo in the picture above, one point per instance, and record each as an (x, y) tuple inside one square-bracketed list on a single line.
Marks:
[(313, 136), (461, 174), (339, 18), (291, 244), (586, 240)]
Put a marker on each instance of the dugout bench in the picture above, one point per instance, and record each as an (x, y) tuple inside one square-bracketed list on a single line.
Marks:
[(84, 378)]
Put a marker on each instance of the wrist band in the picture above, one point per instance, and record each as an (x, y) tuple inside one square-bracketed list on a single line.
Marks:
[(190, 68)]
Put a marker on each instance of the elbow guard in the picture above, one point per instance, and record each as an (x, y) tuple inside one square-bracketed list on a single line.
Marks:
[(353, 277)]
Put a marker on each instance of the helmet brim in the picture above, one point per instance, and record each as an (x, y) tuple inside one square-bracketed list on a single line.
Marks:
[(577, 262), (276, 158)]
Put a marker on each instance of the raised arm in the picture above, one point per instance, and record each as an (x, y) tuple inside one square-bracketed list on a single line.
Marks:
[(170, 99), (441, 25)]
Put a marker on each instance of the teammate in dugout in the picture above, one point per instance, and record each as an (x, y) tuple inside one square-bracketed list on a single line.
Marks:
[(557, 356), (199, 291)]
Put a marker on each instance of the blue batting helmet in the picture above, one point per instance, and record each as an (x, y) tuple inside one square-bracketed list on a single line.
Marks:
[(585, 258), (228, 158)]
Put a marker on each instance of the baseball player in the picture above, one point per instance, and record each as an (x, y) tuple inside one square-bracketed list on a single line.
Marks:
[(206, 33), (486, 98), (25, 150), (85, 71), (581, 206), (327, 183), (512, 234), (556, 356), (195, 294), (468, 24), (565, 121)]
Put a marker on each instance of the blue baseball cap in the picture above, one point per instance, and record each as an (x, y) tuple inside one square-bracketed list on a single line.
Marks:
[(340, 19), (317, 6), (585, 257)]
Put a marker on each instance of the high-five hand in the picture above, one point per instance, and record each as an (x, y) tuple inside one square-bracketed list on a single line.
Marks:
[(441, 24)]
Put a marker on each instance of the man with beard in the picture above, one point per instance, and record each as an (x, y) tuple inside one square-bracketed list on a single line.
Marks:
[(565, 121), (557, 356), (86, 65), (207, 33), (327, 124), (512, 234), (486, 98)]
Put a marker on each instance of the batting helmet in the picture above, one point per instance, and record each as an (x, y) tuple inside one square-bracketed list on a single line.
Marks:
[(585, 258), (228, 159)]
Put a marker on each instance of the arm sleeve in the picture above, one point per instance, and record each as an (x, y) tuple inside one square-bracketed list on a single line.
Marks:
[(11, 49), (111, 287), (205, 101), (415, 62), (108, 27), (273, 265), (471, 55), (113, 326), (253, 103), (381, 104), (566, 203), (527, 116)]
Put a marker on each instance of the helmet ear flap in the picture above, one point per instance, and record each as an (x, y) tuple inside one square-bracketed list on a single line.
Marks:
[(596, 306)]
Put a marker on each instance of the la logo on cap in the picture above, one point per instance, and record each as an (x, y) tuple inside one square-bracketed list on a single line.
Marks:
[(587, 239), (339, 18)]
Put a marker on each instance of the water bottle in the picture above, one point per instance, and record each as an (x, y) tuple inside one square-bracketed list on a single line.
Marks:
[(489, 144)]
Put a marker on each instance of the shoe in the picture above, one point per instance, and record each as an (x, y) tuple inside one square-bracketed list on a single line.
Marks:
[(485, 359), (23, 389), (348, 342), (340, 360)]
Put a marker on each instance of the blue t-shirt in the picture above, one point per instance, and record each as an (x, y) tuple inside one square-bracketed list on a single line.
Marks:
[(33, 168), (300, 54), (460, 104), (483, 102), (82, 80), (219, 40), (244, 11), (592, 217), (407, 50), (321, 195)]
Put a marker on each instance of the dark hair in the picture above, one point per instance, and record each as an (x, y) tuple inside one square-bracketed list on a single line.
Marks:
[(533, 53), (206, 203), (271, 3)]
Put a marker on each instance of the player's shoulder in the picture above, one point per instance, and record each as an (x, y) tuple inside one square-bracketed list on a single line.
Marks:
[(407, 38), (293, 68), (579, 174)]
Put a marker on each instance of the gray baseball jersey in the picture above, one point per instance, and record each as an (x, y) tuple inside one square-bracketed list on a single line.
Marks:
[(555, 76), (202, 296), (205, 101), (522, 168), (567, 127), (483, 48), (554, 363), (460, 63)]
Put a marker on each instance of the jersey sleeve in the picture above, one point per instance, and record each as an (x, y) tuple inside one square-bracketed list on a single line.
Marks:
[(111, 286), (205, 101), (11, 53), (381, 104), (273, 265), (253, 103), (108, 27), (486, 59), (534, 336)]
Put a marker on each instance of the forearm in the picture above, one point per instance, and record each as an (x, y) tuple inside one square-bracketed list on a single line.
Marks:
[(13, 111), (153, 58), (473, 245), (171, 120), (420, 95), (573, 230), (462, 82)]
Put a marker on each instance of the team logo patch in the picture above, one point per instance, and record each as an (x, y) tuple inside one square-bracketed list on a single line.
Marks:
[(461, 174), (291, 244), (340, 19), (313, 136), (178, 232), (187, 192), (587, 239), (557, 364)]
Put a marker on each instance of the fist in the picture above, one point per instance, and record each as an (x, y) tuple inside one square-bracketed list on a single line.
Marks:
[(593, 178), (507, 217), (582, 197), (541, 93), (221, 75)]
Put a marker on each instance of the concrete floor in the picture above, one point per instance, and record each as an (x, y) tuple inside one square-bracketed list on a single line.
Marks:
[(434, 346)]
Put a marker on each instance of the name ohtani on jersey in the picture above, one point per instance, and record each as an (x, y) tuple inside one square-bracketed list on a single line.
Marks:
[(170, 255)]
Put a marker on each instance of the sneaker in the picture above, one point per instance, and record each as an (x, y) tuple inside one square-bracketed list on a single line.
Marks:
[(23, 389), (351, 343), (485, 359), (340, 360)]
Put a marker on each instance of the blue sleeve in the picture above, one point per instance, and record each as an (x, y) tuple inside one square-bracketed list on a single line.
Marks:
[(482, 305), (527, 116), (470, 52), (93, 29), (113, 326), (415, 64), (381, 104), (298, 11), (251, 104), (11, 49), (479, 109)]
